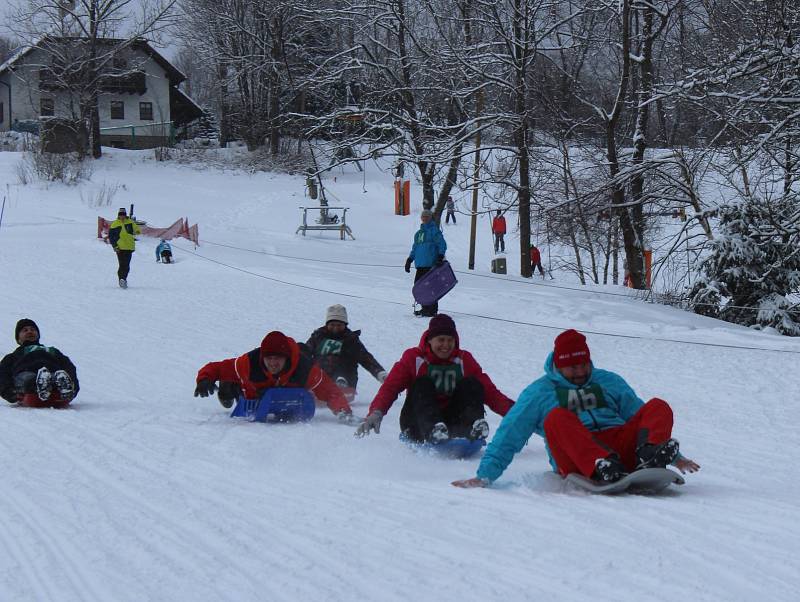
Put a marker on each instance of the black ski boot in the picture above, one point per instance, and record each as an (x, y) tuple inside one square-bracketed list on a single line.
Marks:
[(660, 455), (608, 470)]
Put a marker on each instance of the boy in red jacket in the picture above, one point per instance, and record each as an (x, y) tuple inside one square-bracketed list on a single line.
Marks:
[(499, 231), (536, 261), (446, 390), (278, 362)]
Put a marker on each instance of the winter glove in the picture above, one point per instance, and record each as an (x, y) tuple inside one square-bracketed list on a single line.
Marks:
[(346, 417), (440, 260), (204, 388), (408, 265), (229, 392), (381, 376), (371, 422)]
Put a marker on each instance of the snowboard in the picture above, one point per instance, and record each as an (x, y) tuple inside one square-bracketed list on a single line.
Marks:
[(646, 481), (456, 448), (435, 284), (280, 404)]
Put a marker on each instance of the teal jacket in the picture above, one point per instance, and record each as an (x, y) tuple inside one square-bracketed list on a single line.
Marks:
[(605, 401), (428, 245)]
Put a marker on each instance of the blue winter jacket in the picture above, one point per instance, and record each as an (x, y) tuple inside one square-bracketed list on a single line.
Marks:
[(605, 401), (428, 245), (162, 246)]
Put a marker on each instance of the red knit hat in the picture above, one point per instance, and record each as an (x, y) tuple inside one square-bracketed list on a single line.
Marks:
[(276, 343), (441, 324), (570, 349)]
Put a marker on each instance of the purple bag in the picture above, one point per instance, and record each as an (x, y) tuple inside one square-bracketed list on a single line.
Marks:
[(434, 285)]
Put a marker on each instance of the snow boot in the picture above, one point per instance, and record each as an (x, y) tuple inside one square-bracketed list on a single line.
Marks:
[(44, 384), (123, 283), (64, 385), (439, 433), (608, 470), (480, 429), (651, 455)]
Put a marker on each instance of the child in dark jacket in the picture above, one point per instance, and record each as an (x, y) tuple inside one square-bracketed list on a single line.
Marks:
[(34, 374), (446, 390)]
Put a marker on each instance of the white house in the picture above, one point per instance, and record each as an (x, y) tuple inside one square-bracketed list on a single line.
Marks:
[(139, 104)]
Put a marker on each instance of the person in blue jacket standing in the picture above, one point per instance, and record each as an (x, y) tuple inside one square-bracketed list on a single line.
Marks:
[(164, 252), (427, 251), (592, 422)]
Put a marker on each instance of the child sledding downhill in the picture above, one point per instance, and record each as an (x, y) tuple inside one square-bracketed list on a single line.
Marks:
[(278, 362), (36, 375), (164, 252), (339, 351), (593, 423), (446, 390)]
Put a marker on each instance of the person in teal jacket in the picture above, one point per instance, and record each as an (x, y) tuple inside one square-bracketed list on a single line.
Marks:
[(427, 251), (592, 421)]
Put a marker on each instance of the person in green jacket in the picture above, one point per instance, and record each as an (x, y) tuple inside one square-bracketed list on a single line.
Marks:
[(121, 235)]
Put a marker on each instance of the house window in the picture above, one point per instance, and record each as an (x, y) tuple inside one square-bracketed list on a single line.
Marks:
[(47, 107), (146, 111), (117, 109)]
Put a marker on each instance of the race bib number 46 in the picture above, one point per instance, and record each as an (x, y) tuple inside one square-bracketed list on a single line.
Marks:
[(581, 400)]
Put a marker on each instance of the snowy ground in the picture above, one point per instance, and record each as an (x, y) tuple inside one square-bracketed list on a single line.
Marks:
[(142, 492)]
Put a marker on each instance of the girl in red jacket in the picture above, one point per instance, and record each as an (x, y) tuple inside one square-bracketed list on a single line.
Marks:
[(446, 390), (278, 362)]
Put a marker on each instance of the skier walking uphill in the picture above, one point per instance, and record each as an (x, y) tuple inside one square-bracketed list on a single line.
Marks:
[(446, 390), (339, 350), (278, 362), (35, 374), (592, 422), (121, 235), (427, 251)]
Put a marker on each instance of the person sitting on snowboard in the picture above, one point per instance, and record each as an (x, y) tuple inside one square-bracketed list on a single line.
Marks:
[(35, 374), (164, 252), (339, 350), (592, 422), (427, 252), (446, 390), (278, 362)]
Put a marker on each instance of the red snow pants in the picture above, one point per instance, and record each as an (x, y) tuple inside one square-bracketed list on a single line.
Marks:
[(575, 448)]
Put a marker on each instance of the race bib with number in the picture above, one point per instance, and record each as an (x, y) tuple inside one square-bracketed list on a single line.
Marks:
[(581, 400)]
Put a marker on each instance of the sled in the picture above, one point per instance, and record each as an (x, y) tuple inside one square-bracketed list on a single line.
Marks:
[(31, 400), (646, 481), (456, 448), (290, 404), (435, 284)]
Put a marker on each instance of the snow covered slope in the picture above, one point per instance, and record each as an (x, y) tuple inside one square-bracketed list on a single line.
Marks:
[(142, 492)]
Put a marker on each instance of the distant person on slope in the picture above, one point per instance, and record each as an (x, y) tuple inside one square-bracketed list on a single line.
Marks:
[(592, 422), (536, 261), (121, 235), (451, 210), (499, 231), (446, 390), (339, 351), (278, 362), (427, 251), (34, 374), (164, 252)]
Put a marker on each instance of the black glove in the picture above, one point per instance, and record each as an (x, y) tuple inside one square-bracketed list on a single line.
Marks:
[(440, 260), (204, 388), (408, 265), (229, 392)]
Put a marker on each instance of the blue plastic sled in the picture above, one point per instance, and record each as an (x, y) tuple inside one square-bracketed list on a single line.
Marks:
[(434, 285), (277, 405), (457, 448)]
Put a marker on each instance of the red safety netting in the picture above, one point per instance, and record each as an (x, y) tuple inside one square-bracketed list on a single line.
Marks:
[(181, 228)]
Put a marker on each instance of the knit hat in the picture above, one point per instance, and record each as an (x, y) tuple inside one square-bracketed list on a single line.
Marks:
[(276, 343), (570, 349), (441, 324), (122, 211), (336, 312), (22, 324), (426, 212)]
